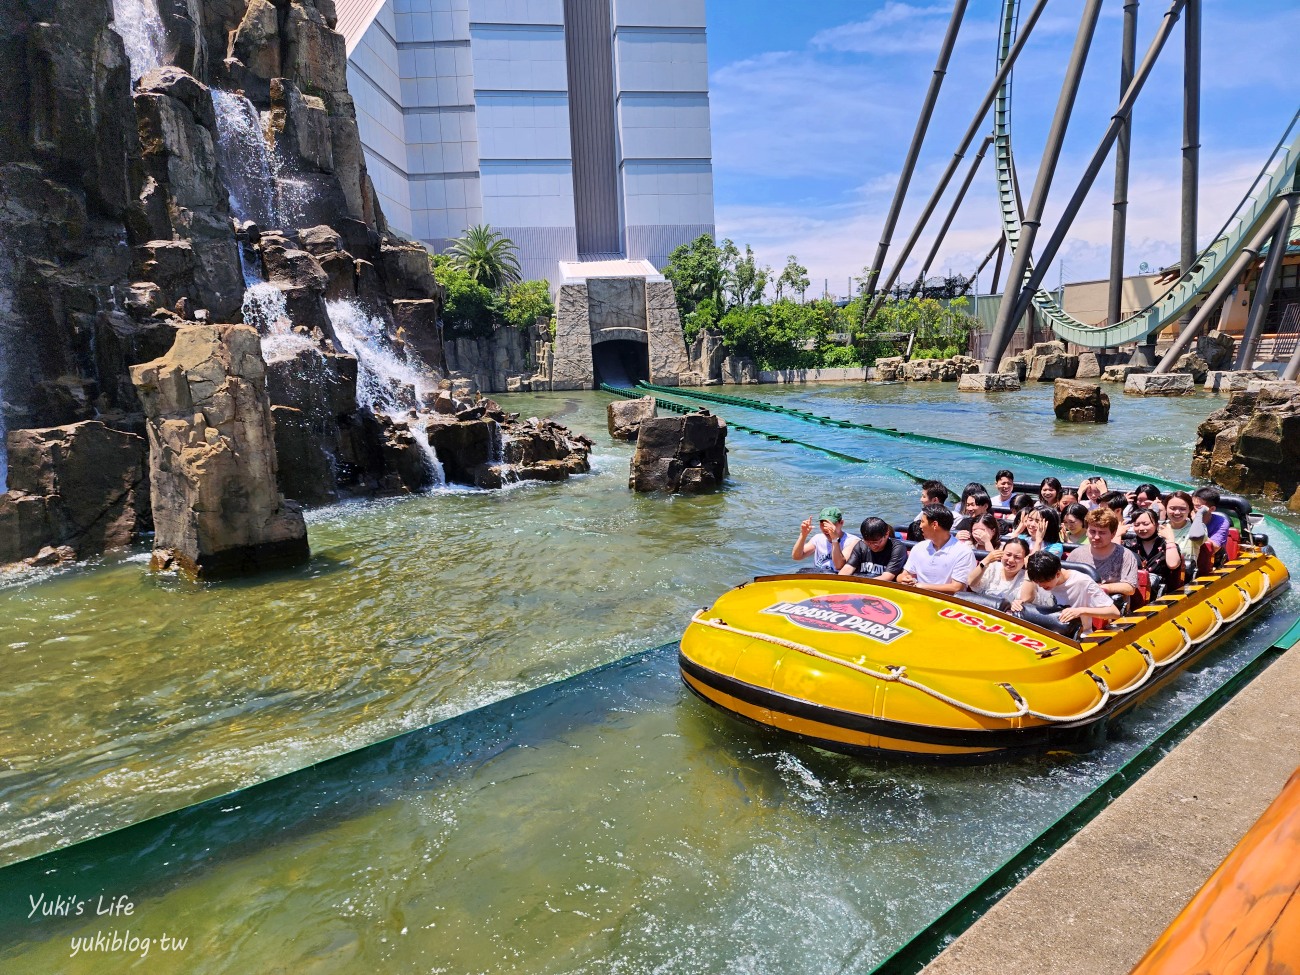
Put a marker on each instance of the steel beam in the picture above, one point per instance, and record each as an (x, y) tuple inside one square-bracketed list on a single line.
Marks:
[(1005, 325), (952, 213), (1119, 217), (1021, 39), (1229, 281), (1264, 289), (1123, 111), (918, 137), (1191, 138)]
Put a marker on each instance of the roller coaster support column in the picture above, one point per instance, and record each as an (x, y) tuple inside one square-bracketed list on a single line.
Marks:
[(1191, 137), (952, 213), (1281, 212), (1264, 289), (1021, 39), (1292, 370), (1119, 219), (1025, 296), (918, 137), (1011, 311)]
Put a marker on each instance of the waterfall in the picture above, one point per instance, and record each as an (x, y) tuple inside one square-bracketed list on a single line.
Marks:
[(140, 26), (261, 186), (498, 458), (264, 308), (388, 382), (245, 160)]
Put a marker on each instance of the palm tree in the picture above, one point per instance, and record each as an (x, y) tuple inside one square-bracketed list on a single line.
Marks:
[(486, 256)]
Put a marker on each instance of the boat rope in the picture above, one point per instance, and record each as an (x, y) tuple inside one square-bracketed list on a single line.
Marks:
[(898, 675)]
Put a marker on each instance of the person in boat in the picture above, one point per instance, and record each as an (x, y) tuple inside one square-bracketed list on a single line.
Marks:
[(1015, 521), (1117, 567), (877, 554), (1069, 496), (1002, 571), (1116, 501), (1155, 549), (1074, 530), (986, 533), (832, 533), (1144, 496), (1049, 492), (1005, 483), (932, 492), (975, 504), (1042, 530), (941, 563), (1205, 502), (1090, 491), (1186, 532), (1077, 595)]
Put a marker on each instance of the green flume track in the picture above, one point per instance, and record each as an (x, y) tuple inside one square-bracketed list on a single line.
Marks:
[(913, 956)]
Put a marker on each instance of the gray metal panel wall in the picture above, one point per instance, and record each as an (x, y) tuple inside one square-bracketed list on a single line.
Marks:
[(590, 53)]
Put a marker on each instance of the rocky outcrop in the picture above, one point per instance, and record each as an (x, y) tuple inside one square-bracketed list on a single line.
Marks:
[(1165, 384), (1119, 372), (680, 454), (1194, 364), (1088, 367), (738, 370), (1076, 401), (486, 447), (492, 361), (1220, 350), (889, 369), (1250, 446), (216, 506), (624, 416), (988, 382), (84, 487), (706, 355)]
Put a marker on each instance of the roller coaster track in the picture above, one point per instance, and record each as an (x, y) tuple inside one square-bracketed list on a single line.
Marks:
[(1277, 178)]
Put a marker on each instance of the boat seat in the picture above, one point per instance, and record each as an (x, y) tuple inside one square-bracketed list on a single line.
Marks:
[(999, 603)]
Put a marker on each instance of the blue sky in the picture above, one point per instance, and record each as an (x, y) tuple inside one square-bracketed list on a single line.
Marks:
[(813, 106)]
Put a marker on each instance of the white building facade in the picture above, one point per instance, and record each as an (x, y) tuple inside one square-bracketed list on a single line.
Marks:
[(577, 128)]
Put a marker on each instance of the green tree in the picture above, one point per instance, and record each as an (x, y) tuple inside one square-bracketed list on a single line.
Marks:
[(794, 277), (696, 272), (490, 258), (745, 279), (523, 303), (468, 307)]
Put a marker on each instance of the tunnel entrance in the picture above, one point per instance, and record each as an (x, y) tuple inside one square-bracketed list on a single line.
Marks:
[(621, 362)]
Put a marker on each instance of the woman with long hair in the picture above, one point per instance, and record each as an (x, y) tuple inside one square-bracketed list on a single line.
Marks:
[(1049, 492), (1155, 548), (1073, 530), (1043, 530)]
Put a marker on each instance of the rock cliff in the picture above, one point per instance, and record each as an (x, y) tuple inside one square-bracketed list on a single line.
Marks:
[(197, 163), (1252, 446)]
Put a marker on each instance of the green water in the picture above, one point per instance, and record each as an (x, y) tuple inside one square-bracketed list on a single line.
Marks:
[(612, 824)]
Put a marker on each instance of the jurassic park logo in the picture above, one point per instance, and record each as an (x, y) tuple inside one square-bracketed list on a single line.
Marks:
[(868, 616)]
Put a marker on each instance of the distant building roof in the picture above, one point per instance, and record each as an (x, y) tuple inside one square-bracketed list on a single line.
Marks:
[(354, 17), (576, 272)]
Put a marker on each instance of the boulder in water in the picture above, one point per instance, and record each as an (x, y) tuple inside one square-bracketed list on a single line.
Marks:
[(84, 486), (1249, 446), (680, 454), (1076, 401), (624, 417), (213, 469)]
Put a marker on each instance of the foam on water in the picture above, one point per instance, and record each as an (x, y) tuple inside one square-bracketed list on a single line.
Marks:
[(388, 381)]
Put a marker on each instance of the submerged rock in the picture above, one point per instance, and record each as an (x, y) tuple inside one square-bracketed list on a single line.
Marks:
[(216, 505), (680, 454)]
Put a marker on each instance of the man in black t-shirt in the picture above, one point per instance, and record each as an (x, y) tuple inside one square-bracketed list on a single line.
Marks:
[(879, 554)]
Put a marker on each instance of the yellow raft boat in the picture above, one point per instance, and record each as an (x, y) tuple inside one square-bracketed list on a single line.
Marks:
[(860, 666)]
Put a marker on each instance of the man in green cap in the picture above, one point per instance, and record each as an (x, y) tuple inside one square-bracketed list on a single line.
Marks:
[(818, 546)]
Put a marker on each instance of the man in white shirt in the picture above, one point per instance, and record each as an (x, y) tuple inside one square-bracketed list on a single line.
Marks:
[(941, 563), (1080, 596)]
